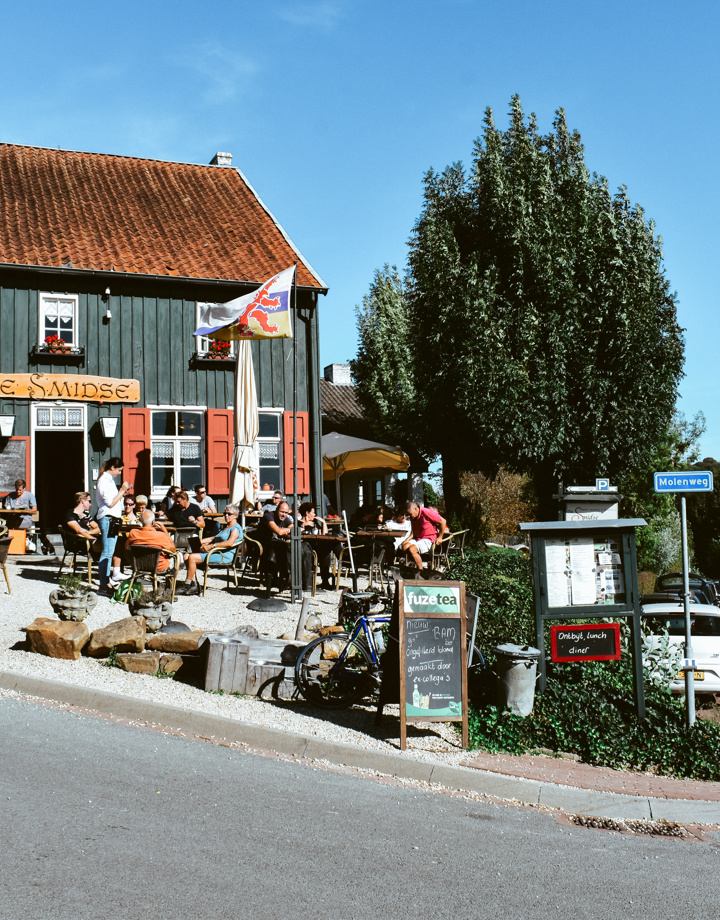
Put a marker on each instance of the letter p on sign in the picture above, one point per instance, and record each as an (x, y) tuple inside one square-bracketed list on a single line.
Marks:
[(602, 485)]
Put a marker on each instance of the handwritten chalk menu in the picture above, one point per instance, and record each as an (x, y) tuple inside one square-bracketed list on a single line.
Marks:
[(433, 675), (14, 462), (598, 642), (584, 571)]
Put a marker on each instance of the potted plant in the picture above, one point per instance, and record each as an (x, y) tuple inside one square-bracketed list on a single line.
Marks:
[(56, 344), (219, 349), (73, 599)]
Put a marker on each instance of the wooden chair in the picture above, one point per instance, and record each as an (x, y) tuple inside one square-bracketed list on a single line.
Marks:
[(76, 545), (145, 561), (5, 541), (237, 557)]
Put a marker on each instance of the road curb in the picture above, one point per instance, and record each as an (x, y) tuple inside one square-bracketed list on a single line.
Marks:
[(467, 779)]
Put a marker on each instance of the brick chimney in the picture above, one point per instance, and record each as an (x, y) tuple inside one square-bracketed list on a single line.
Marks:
[(339, 375), (221, 159)]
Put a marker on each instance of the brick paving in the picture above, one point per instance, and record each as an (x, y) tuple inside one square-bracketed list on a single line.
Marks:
[(599, 779)]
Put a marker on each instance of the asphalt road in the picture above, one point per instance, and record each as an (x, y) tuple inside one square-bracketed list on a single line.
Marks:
[(104, 820)]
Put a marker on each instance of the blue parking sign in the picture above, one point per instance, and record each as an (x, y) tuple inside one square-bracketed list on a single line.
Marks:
[(684, 482)]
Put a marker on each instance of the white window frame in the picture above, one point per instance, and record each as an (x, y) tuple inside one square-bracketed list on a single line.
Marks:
[(202, 343), (43, 297), (34, 427), (158, 494), (271, 410)]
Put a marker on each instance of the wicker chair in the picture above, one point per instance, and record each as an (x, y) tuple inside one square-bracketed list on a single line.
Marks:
[(232, 565), (145, 561), (5, 541), (76, 545)]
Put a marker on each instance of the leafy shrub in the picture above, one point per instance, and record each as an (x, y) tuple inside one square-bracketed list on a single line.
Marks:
[(587, 709), (502, 579)]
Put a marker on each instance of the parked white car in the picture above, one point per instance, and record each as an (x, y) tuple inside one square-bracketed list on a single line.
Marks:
[(705, 633)]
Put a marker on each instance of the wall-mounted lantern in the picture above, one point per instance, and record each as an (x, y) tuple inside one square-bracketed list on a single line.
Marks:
[(7, 423), (109, 426)]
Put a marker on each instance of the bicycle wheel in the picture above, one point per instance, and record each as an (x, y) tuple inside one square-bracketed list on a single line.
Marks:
[(324, 681)]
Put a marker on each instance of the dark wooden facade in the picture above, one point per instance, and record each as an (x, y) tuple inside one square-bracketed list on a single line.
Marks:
[(149, 338)]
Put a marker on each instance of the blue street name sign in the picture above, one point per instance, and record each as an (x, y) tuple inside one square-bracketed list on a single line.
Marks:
[(684, 482)]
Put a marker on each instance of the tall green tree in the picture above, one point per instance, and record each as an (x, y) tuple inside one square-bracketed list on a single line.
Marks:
[(540, 325), (384, 366)]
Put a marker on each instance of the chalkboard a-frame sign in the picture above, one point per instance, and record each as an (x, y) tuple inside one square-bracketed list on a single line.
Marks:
[(433, 675)]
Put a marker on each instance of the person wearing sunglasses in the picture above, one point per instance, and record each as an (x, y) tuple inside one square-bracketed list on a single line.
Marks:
[(207, 506), (220, 546)]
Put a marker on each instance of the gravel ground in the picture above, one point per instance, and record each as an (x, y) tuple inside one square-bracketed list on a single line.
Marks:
[(33, 577)]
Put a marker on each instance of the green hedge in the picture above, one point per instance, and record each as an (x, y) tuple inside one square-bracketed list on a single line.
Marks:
[(587, 710), (502, 579)]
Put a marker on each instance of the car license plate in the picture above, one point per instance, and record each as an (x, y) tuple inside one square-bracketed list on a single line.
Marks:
[(699, 675)]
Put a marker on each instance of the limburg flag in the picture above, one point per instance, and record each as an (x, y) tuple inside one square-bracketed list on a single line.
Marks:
[(264, 314)]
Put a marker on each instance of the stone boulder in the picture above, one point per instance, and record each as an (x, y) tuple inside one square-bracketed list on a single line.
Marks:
[(57, 639), (170, 663), (177, 643), (139, 662), (126, 635)]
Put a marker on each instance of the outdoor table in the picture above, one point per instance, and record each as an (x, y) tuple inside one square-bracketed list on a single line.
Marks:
[(12, 516), (325, 538)]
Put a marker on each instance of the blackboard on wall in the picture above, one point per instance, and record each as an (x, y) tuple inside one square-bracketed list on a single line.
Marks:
[(433, 673), (14, 462)]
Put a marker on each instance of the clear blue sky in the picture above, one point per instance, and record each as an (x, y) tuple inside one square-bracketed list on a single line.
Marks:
[(334, 109)]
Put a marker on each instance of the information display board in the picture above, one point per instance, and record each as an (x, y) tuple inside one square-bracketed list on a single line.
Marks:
[(433, 672), (587, 570), (584, 570)]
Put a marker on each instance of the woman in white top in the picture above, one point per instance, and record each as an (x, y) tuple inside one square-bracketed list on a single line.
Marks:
[(109, 501)]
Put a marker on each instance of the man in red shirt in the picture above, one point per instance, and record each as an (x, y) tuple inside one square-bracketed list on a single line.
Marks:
[(428, 526), (148, 535)]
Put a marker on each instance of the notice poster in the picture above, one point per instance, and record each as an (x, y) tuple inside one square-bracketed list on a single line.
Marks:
[(582, 571), (557, 563)]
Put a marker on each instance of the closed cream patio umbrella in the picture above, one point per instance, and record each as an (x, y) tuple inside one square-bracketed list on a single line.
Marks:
[(343, 454), (244, 473)]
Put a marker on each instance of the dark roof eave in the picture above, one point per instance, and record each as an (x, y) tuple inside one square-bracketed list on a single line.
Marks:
[(109, 273)]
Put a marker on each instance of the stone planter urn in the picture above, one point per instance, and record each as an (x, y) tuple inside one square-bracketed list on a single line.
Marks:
[(155, 612), (73, 605)]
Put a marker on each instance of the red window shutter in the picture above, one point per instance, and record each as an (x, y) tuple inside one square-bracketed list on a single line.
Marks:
[(136, 449), (220, 443), (303, 452)]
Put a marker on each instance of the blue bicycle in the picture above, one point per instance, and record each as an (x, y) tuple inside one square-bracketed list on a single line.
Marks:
[(339, 669)]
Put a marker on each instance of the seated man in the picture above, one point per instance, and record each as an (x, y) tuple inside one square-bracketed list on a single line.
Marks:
[(273, 533), (185, 513), (206, 504), (273, 503), (152, 534), (312, 525), (77, 519), (428, 526), (18, 499)]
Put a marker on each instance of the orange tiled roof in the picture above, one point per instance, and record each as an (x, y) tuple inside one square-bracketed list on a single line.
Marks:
[(115, 213)]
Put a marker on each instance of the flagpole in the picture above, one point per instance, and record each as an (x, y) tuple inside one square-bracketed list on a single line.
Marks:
[(295, 544)]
